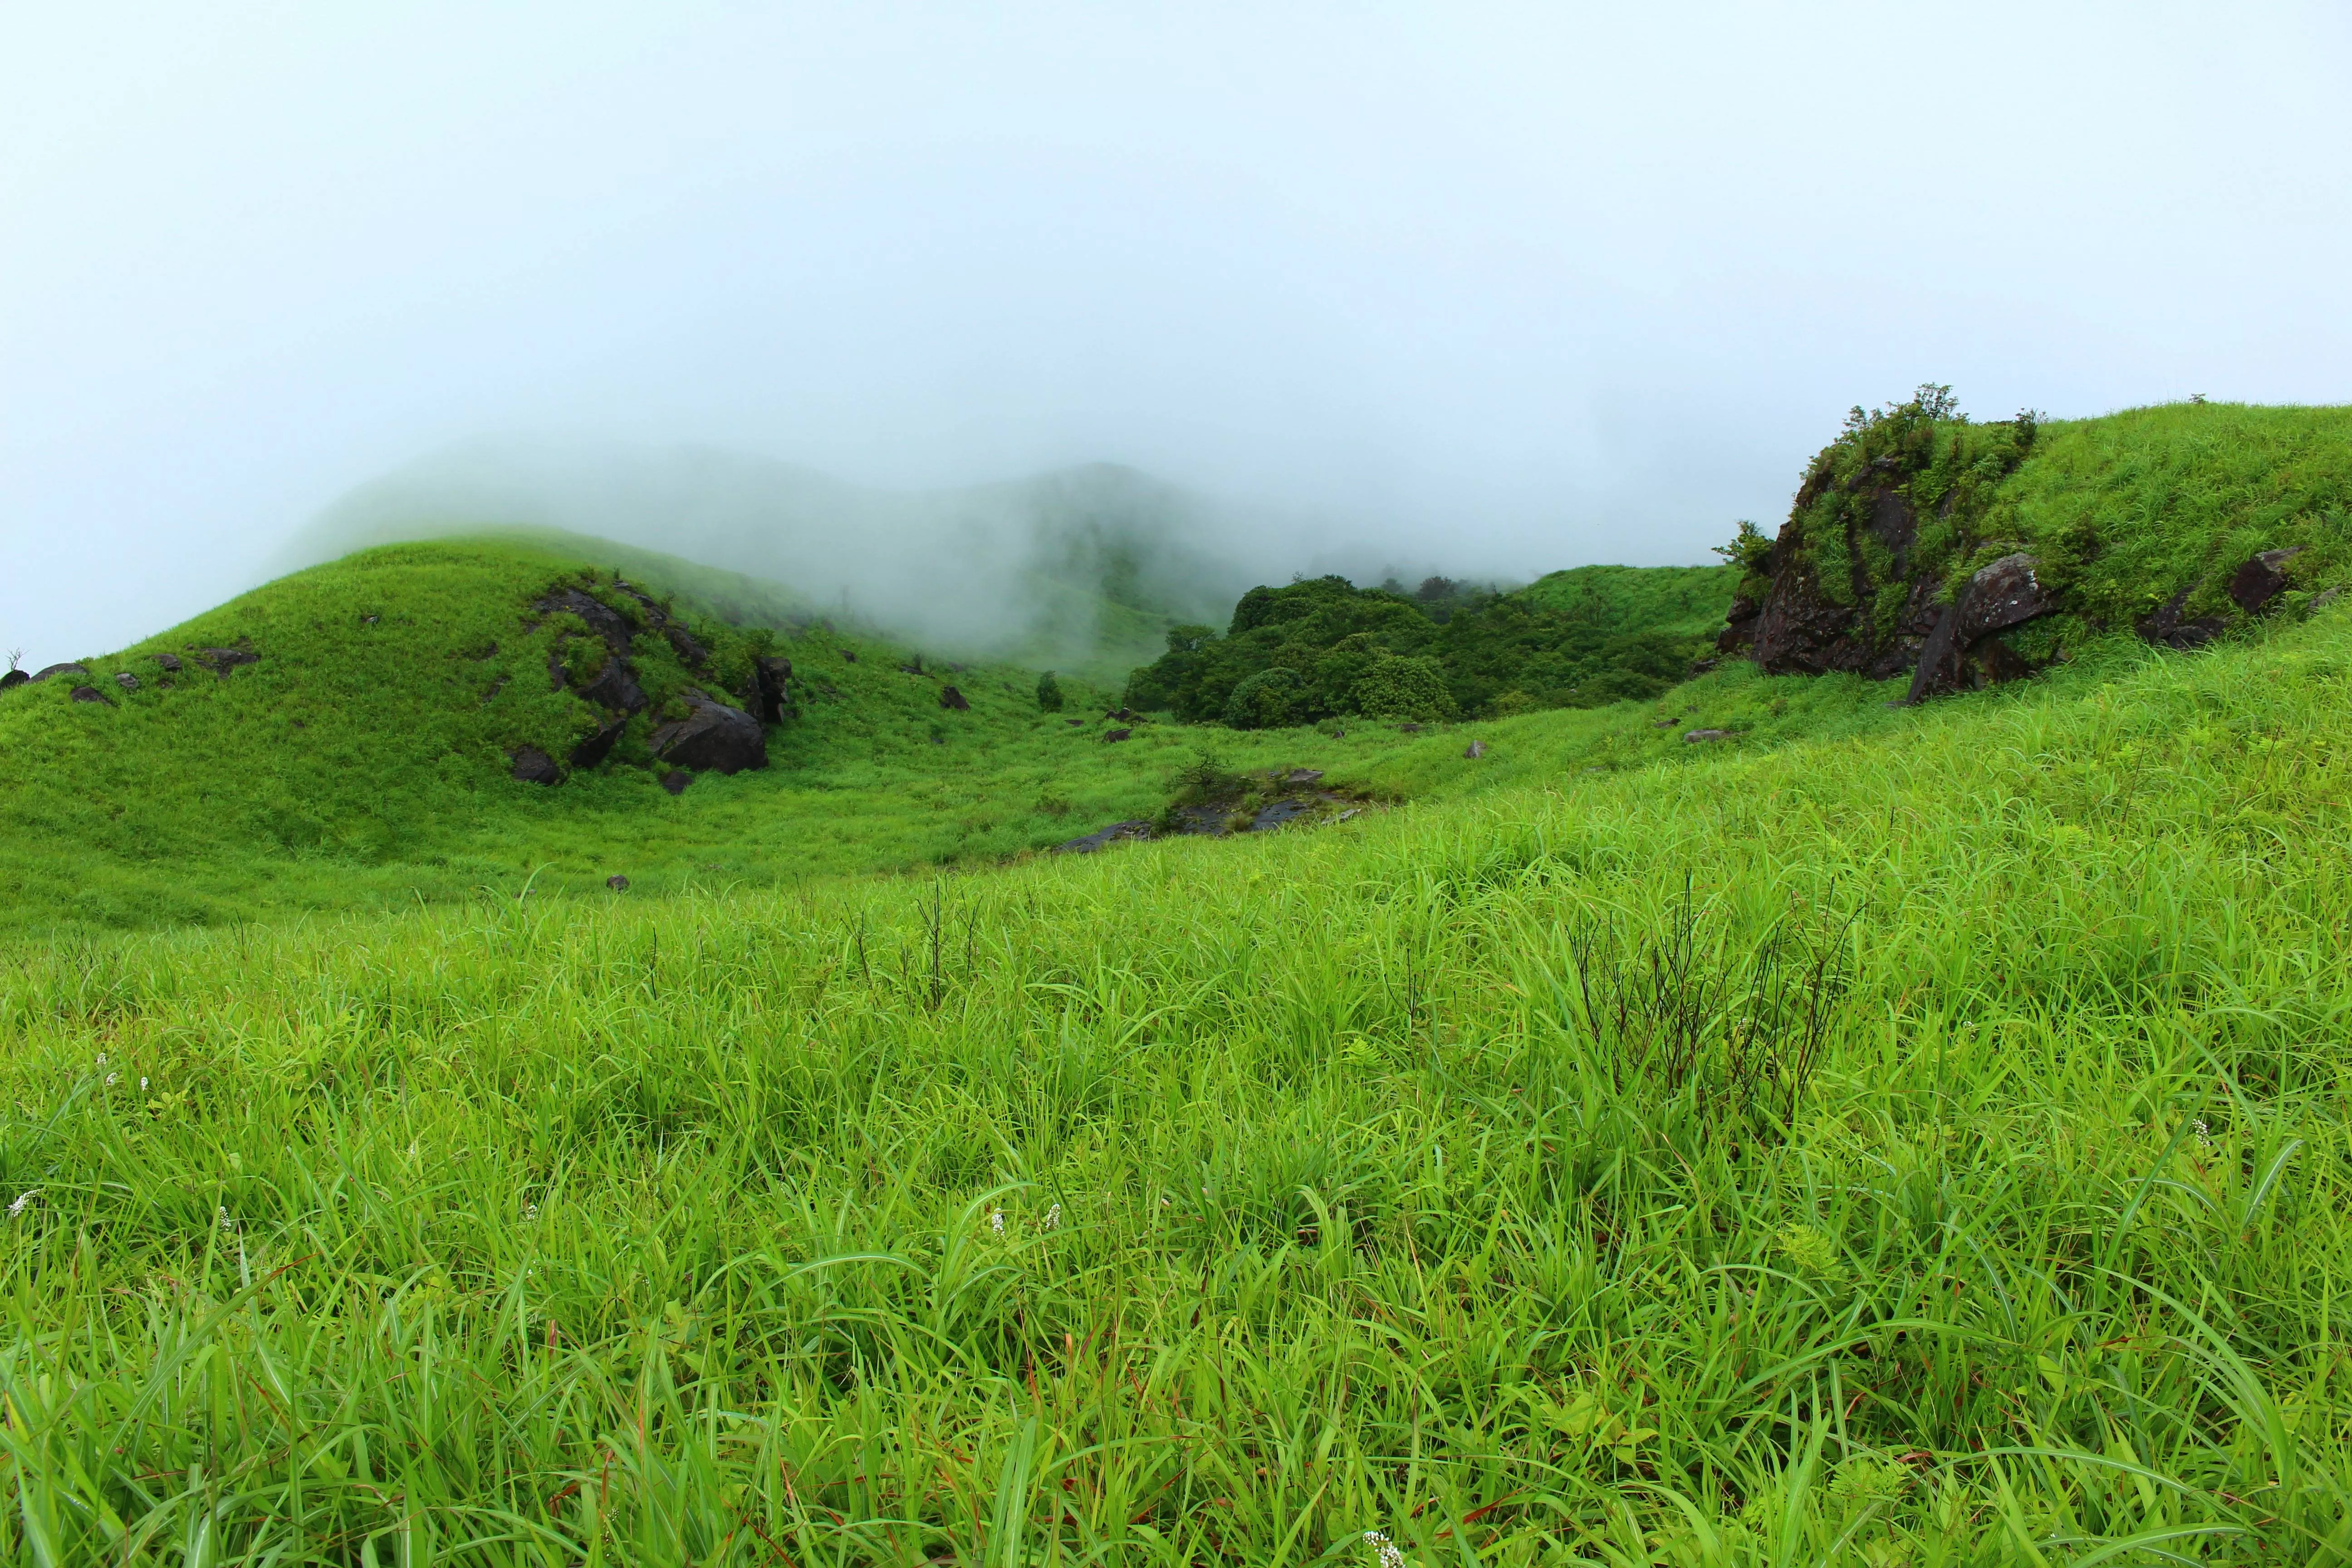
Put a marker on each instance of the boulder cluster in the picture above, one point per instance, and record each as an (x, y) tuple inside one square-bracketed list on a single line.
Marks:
[(712, 735)]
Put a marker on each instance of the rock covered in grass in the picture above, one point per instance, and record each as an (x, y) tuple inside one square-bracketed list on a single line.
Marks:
[(90, 694), (954, 701), (674, 781), (44, 674), (1701, 737), (769, 693), (15, 679), (532, 766), (221, 660), (1111, 735), (617, 882), (712, 738), (125, 679), (169, 663)]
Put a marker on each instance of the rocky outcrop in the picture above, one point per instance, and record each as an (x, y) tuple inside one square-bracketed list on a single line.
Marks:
[(768, 695), (169, 663), (596, 747), (90, 694), (2003, 594), (953, 701), (221, 660), (15, 679), (2256, 585), (125, 679), (712, 738), (2165, 626), (44, 674), (532, 766)]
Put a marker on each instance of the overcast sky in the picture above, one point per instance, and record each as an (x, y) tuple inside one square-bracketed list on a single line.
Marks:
[(1530, 286)]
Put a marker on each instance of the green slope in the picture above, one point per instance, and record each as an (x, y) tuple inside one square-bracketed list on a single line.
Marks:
[(1678, 601)]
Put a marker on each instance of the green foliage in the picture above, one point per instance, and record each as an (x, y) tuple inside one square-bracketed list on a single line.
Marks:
[(1226, 1202), (1396, 688), (1324, 648), (1266, 701), (1049, 693)]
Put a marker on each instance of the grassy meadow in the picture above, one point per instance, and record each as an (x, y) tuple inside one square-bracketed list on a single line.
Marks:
[(1883, 1138)]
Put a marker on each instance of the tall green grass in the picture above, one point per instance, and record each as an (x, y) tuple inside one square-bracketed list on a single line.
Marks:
[(1204, 1202)]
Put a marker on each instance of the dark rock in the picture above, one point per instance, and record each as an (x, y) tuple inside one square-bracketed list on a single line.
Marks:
[(2003, 594), (170, 662), (1996, 661), (370, 620), (1078, 721), (532, 766), (90, 694), (601, 617), (2326, 598), (713, 737), (2262, 580), (593, 749), (1201, 821), (771, 689), (1122, 716), (847, 656), (676, 782), (691, 652), (125, 679), (1278, 813), (2165, 626), (1303, 776), (617, 882), (1474, 750), (1110, 735), (221, 660), (59, 669), (1698, 736), (950, 697), (1666, 723), (13, 679), (614, 687), (1117, 832), (1409, 729)]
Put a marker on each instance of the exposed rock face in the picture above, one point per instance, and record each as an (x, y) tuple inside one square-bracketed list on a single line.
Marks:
[(593, 749), (768, 696), (2165, 626), (221, 660), (614, 688), (169, 661), (90, 694), (13, 679), (713, 737), (2003, 594), (532, 766), (617, 882), (59, 669), (954, 701), (125, 679), (1116, 833), (2262, 580), (602, 618), (1110, 735), (676, 782), (1700, 737), (1474, 750)]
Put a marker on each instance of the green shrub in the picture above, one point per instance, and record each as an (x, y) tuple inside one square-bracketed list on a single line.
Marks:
[(1266, 701), (1394, 687), (1049, 693)]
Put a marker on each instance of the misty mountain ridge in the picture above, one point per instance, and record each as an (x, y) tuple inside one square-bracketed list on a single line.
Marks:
[(1082, 567)]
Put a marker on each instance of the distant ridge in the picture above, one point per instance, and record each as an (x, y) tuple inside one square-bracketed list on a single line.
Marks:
[(1082, 567)]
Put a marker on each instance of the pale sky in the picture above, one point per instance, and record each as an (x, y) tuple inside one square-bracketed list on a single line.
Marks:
[(1518, 287)]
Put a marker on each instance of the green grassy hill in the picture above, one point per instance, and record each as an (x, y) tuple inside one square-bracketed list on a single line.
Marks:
[(1678, 601), (1877, 1135)]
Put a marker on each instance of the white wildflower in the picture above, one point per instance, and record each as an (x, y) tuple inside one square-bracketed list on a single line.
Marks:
[(996, 1221), (17, 1208), (530, 1211), (1053, 1217), (142, 1086), (110, 1078), (222, 1214), (101, 1058), (1390, 1557)]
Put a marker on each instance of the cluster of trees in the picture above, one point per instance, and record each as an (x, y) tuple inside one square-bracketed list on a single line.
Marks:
[(1325, 649)]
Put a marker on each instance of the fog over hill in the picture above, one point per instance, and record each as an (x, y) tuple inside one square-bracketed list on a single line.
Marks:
[(1059, 565)]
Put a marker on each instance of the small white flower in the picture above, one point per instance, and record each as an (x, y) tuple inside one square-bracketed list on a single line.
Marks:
[(18, 1207), (222, 1214), (530, 1211), (110, 1078), (1053, 1217), (101, 1058), (996, 1221), (142, 1086), (1390, 1557)]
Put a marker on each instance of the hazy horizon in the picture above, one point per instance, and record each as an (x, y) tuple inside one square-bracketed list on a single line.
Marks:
[(1496, 289)]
